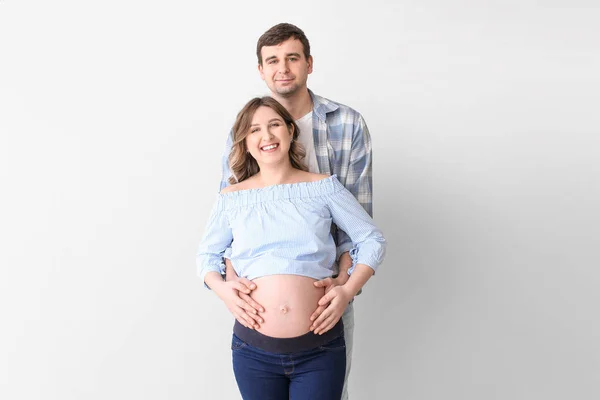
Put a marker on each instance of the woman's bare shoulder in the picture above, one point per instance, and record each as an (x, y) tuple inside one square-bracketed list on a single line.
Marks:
[(312, 177), (247, 184)]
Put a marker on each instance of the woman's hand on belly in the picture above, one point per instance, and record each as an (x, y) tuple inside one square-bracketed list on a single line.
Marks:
[(289, 301), (229, 292), (336, 300)]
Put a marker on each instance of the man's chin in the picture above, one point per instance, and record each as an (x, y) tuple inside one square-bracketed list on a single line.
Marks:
[(286, 91)]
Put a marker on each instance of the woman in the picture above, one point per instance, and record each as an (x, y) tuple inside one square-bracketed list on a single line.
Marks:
[(276, 220)]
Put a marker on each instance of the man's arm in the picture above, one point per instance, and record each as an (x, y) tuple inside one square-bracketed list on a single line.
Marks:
[(359, 181), (225, 171)]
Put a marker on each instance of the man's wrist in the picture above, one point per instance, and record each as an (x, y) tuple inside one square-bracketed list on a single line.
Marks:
[(344, 264)]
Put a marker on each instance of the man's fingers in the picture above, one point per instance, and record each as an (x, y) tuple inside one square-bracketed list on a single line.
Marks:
[(247, 318), (243, 305), (323, 282), (242, 321), (251, 301), (257, 318)]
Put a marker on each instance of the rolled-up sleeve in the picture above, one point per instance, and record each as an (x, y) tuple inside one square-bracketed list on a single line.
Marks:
[(217, 238), (368, 243)]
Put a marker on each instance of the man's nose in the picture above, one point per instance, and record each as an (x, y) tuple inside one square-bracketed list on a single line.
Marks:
[(283, 67)]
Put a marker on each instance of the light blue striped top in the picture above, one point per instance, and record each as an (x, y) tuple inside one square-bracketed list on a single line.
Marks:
[(343, 148), (286, 229)]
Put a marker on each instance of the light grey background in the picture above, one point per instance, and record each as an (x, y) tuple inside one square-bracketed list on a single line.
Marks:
[(485, 123)]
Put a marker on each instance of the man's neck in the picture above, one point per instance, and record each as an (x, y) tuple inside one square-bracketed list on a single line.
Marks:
[(299, 104)]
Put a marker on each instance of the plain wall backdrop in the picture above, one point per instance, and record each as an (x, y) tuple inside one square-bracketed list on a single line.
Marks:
[(485, 126)]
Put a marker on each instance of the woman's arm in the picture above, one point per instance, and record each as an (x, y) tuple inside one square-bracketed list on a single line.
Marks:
[(336, 300), (217, 238), (367, 254)]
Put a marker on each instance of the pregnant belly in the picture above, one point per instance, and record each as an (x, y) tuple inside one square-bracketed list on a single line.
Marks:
[(289, 301)]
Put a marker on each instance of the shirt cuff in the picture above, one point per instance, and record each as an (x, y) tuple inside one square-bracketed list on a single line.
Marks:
[(357, 259), (205, 271)]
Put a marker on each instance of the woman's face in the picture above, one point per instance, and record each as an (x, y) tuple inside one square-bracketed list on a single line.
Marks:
[(269, 138)]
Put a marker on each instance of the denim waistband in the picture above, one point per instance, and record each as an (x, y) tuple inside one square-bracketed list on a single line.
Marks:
[(308, 341)]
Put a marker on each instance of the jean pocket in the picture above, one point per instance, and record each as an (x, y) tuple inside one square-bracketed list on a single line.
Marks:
[(337, 344), (237, 343)]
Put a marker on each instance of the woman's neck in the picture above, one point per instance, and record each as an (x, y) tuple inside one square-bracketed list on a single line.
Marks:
[(276, 174)]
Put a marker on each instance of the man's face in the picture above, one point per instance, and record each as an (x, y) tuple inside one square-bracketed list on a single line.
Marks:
[(285, 69)]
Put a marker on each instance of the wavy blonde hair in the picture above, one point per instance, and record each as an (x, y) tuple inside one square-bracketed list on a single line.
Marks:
[(241, 163)]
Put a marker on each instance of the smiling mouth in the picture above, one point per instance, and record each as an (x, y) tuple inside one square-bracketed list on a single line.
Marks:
[(270, 147)]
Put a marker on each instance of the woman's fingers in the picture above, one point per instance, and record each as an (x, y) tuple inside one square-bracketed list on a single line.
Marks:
[(331, 324), (248, 283), (326, 322), (319, 321), (240, 287), (317, 312)]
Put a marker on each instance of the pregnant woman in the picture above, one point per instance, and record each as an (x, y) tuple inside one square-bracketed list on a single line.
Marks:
[(275, 223)]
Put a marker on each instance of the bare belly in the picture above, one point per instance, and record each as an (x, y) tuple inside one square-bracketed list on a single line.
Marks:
[(289, 301)]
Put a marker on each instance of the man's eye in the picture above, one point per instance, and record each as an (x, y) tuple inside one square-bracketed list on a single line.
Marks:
[(272, 62)]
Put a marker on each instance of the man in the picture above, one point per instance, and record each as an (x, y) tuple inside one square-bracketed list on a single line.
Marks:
[(336, 140)]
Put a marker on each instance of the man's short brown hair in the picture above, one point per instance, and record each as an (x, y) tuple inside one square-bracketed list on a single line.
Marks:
[(279, 34)]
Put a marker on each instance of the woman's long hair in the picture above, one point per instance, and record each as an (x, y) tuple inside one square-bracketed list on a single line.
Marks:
[(241, 163)]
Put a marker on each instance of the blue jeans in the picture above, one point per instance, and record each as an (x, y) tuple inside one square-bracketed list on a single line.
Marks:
[(316, 374)]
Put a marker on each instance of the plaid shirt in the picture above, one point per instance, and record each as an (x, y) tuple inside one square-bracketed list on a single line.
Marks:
[(343, 147)]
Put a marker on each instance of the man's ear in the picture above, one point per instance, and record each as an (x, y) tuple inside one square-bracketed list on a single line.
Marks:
[(260, 71), (310, 64)]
